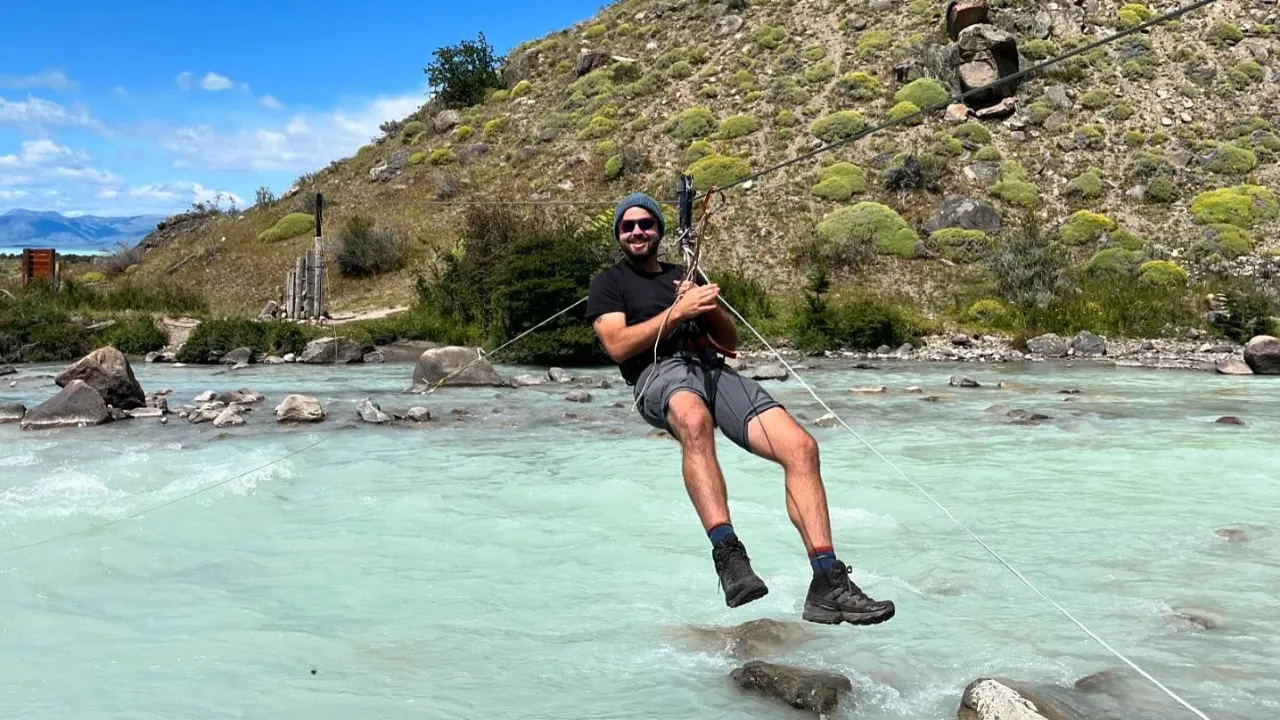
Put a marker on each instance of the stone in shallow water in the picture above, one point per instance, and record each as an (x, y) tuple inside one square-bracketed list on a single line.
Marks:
[(812, 690)]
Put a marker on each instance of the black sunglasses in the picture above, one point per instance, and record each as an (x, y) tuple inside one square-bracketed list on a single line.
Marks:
[(645, 224)]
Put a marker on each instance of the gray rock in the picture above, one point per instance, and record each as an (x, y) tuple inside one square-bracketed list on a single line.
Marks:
[(559, 375), (982, 55), (961, 340), (12, 412), (727, 25), (237, 356), (963, 382), (1086, 344), (1262, 353), (1049, 345), (241, 397), (447, 120), (437, 363), (330, 350), (1056, 95), (269, 310), (578, 396), (810, 690), (418, 414), (958, 211), (146, 412), (371, 413), (204, 397), (228, 418), (589, 60), (107, 371), (828, 420), (299, 408), (78, 405), (273, 360), (8, 370), (768, 372), (290, 357), (1233, 366), (983, 172), (987, 699), (374, 357), (526, 380)]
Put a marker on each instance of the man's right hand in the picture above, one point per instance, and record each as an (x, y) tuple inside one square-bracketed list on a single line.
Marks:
[(696, 300)]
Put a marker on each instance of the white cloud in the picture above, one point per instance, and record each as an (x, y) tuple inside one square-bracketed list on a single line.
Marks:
[(303, 143), (184, 80), (52, 79), (215, 82), (12, 194), (270, 102), (38, 112), (43, 163)]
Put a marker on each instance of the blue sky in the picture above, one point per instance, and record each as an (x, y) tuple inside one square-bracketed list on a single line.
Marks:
[(145, 107)]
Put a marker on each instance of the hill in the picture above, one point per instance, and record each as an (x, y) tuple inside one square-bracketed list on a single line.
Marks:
[(83, 233), (1152, 158)]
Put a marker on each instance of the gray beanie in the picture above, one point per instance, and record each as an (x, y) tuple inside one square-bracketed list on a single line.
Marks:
[(643, 201)]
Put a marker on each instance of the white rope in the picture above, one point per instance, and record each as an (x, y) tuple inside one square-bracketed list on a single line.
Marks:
[(953, 518)]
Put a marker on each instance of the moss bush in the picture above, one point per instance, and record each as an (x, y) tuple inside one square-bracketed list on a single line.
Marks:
[(1162, 273), (960, 245), (819, 73), (924, 92), (1228, 159), (417, 159), (1084, 227), (1227, 241), (838, 126), (1087, 185), (860, 86), (872, 43), (1115, 263), (1097, 99), (840, 182), (738, 126), (598, 127), (694, 123), (906, 109), (522, 88), (867, 224), (1133, 14), (289, 226), (443, 156), (1243, 206), (768, 37), (974, 132), (718, 171)]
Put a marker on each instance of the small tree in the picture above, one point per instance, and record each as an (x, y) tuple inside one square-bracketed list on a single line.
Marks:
[(462, 73)]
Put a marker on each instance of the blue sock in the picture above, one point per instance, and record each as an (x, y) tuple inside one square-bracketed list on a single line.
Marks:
[(721, 532), (822, 558)]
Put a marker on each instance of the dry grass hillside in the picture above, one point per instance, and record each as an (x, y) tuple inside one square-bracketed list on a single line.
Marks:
[(1135, 132)]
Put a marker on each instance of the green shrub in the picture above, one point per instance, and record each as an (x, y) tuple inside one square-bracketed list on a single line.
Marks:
[(960, 245), (1037, 49), (819, 73), (412, 128), (785, 118), (1086, 185), (814, 53), (1226, 241), (1224, 34), (973, 132), (365, 250), (905, 109), (718, 171), (92, 277), (613, 167), (1121, 111), (463, 133), (1243, 206), (1084, 227), (522, 88), (1116, 263), (738, 126), (1126, 240), (990, 313), (840, 181), (1249, 311), (417, 158), (873, 42), (1228, 159), (595, 31), (746, 293), (697, 150), (1028, 267), (924, 92), (1017, 192), (1162, 273), (867, 224), (498, 96), (494, 126), (680, 70), (443, 156), (988, 154), (216, 337), (1133, 14), (768, 37), (132, 336), (34, 329), (599, 127), (289, 226), (1161, 190), (1097, 99), (696, 122), (853, 323), (838, 126), (860, 86)]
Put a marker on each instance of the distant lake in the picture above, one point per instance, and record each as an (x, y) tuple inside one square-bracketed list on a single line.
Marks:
[(17, 250)]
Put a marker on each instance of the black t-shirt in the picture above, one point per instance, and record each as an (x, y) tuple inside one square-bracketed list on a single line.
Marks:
[(641, 295)]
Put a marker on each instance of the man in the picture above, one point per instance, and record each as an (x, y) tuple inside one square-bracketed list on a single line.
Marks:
[(689, 392)]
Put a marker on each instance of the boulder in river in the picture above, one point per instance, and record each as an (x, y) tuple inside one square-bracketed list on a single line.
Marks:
[(988, 699), (370, 412), (811, 690), (753, 639), (1049, 345), (338, 350), (11, 412), (299, 408), (768, 372), (78, 405), (1233, 366), (437, 363), (237, 356), (8, 370), (1086, 344), (1262, 353), (108, 372)]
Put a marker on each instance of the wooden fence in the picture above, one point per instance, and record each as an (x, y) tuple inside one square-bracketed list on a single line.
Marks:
[(40, 264), (304, 285)]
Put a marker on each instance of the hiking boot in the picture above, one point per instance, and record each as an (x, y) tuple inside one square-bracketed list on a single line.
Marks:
[(740, 583), (834, 598)]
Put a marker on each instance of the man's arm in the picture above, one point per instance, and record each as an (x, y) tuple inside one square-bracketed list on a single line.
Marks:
[(624, 342)]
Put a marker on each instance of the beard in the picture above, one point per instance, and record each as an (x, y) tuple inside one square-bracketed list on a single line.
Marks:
[(640, 255)]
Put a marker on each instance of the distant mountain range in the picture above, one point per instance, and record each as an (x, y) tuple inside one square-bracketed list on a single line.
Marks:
[(86, 233)]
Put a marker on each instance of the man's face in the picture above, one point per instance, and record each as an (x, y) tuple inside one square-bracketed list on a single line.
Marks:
[(638, 234)]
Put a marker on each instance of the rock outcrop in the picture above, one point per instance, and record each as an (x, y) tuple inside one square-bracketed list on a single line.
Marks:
[(108, 372), (437, 363), (812, 690), (78, 405)]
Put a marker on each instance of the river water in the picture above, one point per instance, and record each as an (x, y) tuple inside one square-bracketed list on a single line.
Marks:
[(529, 557)]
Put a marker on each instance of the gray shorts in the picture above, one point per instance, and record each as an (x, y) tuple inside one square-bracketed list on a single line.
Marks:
[(733, 399)]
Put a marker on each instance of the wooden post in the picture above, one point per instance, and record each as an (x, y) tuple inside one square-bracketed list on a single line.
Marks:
[(319, 277), (299, 275), (288, 294)]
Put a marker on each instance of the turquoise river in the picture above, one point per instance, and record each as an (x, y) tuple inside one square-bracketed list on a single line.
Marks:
[(522, 556)]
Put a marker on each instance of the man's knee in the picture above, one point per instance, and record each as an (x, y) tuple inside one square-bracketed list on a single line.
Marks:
[(689, 418), (804, 450)]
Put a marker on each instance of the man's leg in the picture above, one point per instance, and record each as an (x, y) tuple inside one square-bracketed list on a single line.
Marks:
[(689, 421)]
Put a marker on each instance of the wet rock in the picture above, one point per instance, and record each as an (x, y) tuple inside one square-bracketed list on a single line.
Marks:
[(1026, 416), (11, 412), (961, 340), (78, 405), (242, 396), (1229, 420), (987, 699), (914, 390), (273, 360), (768, 372), (578, 396), (827, 421), (437, 363), (1193, 618), (338, 350), (8, 370), (299, 409), (811, 690), (237, 356), (108, 372), (231, 417), (963, 382), (1049, 345), (418, 413), (526, 381), (750, 640), (290, 357), (559, 375), (371, 413), (1262, 353), (159, 356), (204, 397), (869, 390), (1086, 344), (1240, 534), (374, 357), (146, 412)]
